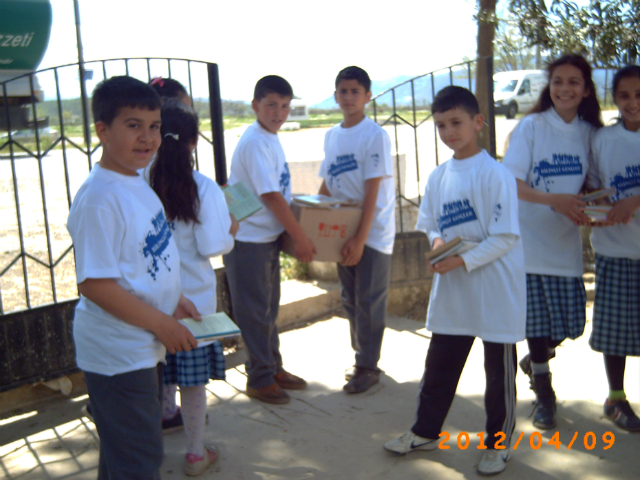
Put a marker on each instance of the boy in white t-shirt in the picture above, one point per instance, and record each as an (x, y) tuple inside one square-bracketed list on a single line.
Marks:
[(357, 166), (480, 293), (128, 274), (253, 266)]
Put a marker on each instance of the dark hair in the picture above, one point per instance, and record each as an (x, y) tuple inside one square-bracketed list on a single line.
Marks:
[(455, 97), (171, 175), (357, 74), (589, 108), (115, 93), (272, 84), (630, 71), (168, 88)]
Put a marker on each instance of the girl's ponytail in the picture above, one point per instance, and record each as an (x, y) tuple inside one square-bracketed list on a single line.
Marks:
[(171, 175)]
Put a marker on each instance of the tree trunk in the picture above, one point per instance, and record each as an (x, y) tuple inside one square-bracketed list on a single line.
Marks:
[(486, 33)]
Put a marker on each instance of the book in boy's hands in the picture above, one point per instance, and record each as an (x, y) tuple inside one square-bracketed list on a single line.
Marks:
[(605, 192), (322, 201), (452, 247), (241, 202), (597, 213), (212, 327)]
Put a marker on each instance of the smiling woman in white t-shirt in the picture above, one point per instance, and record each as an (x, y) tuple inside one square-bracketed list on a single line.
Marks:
[(616, 311), (548, 155)]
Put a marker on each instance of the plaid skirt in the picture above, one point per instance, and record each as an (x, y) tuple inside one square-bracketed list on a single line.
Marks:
[(616, 310), (556, 306), (189, 369)]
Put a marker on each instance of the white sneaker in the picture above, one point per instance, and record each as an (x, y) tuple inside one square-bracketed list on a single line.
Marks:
[(493, 462), (408, 442)]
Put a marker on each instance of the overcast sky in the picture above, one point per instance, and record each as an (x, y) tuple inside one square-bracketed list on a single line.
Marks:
[(305, 42)]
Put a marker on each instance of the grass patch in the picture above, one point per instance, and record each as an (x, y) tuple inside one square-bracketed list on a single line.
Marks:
[(292, 269)]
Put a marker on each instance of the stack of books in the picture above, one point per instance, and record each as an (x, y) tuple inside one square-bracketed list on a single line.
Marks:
[(597, 213), (323, 201), (456, 246), (598, 194), (212, 327)]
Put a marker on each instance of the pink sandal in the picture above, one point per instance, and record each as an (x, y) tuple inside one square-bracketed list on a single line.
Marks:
[(195, 465)]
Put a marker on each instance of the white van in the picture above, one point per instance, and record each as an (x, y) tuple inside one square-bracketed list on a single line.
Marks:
[(517, 91)]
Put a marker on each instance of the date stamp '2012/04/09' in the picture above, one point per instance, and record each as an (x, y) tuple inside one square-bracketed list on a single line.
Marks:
[(536, 441)]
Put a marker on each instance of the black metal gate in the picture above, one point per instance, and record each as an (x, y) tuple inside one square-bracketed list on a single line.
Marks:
[(406, 107), (40, 171)]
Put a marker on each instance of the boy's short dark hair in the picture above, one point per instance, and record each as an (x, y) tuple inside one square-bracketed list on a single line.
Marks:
[(455, 97), (115, 93), (272, 84), (357, 74)]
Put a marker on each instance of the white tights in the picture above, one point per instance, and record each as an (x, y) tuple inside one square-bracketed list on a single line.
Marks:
[(194, 411)]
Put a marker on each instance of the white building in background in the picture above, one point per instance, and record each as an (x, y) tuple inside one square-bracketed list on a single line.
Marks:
[(299, 110)]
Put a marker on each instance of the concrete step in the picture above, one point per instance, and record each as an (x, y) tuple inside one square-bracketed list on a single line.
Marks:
[(302, 302)]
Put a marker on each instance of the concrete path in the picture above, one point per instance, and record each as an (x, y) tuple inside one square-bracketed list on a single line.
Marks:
[(326, 434)]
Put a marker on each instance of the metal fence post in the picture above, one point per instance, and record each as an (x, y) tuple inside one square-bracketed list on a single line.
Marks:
[(217, 126), (491, 109)]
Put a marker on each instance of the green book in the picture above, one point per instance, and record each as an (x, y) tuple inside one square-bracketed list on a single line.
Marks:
[(212, 327), (241, 202)]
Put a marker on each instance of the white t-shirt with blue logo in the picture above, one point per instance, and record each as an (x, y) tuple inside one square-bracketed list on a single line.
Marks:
[(353, 155), (551, 156), (260, 163), (616, 163), (119, 231), (476, 198), (197, 242)]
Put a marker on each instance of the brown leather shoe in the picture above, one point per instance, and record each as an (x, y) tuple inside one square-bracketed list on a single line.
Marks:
[(289, 381), (270, 394)]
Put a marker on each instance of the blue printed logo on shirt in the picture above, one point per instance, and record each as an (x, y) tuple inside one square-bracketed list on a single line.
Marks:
[(156, 243), (285, 179), (630, 179), (497, 212), (562, 164), (343, 164), (455, 213)]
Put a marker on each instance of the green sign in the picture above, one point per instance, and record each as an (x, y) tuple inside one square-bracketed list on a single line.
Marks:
[(25, 27)]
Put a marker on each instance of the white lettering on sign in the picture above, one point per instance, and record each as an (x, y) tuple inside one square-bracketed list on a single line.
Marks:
[(16, 40)]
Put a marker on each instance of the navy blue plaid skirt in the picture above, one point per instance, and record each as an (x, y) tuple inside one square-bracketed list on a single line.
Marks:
[(616, 310), (189, 369), (556, 306)]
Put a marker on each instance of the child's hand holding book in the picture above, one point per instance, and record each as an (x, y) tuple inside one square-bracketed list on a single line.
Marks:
[(446, 265)]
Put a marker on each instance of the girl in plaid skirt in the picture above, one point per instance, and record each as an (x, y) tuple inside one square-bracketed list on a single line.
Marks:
[(549, 156), (616, 314), (202, 227)]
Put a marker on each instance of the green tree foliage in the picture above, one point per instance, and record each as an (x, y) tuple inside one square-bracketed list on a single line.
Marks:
[(510, 49), (607, 33)]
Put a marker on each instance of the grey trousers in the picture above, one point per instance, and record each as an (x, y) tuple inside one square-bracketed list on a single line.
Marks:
[(253, 272), (365, 289), (128, 416)]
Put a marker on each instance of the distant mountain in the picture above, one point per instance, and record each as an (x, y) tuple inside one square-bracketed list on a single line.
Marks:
[(377, 86), (425, 87)]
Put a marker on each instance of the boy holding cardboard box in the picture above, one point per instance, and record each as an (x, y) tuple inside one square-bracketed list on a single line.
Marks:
[(357, 166)]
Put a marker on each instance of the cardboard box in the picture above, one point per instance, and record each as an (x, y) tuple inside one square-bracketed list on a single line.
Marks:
[(328, 229)]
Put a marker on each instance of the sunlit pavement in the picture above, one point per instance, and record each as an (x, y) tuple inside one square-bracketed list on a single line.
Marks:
[(325, 434)]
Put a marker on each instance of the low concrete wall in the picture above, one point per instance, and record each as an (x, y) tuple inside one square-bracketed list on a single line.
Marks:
[(410, 277)]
